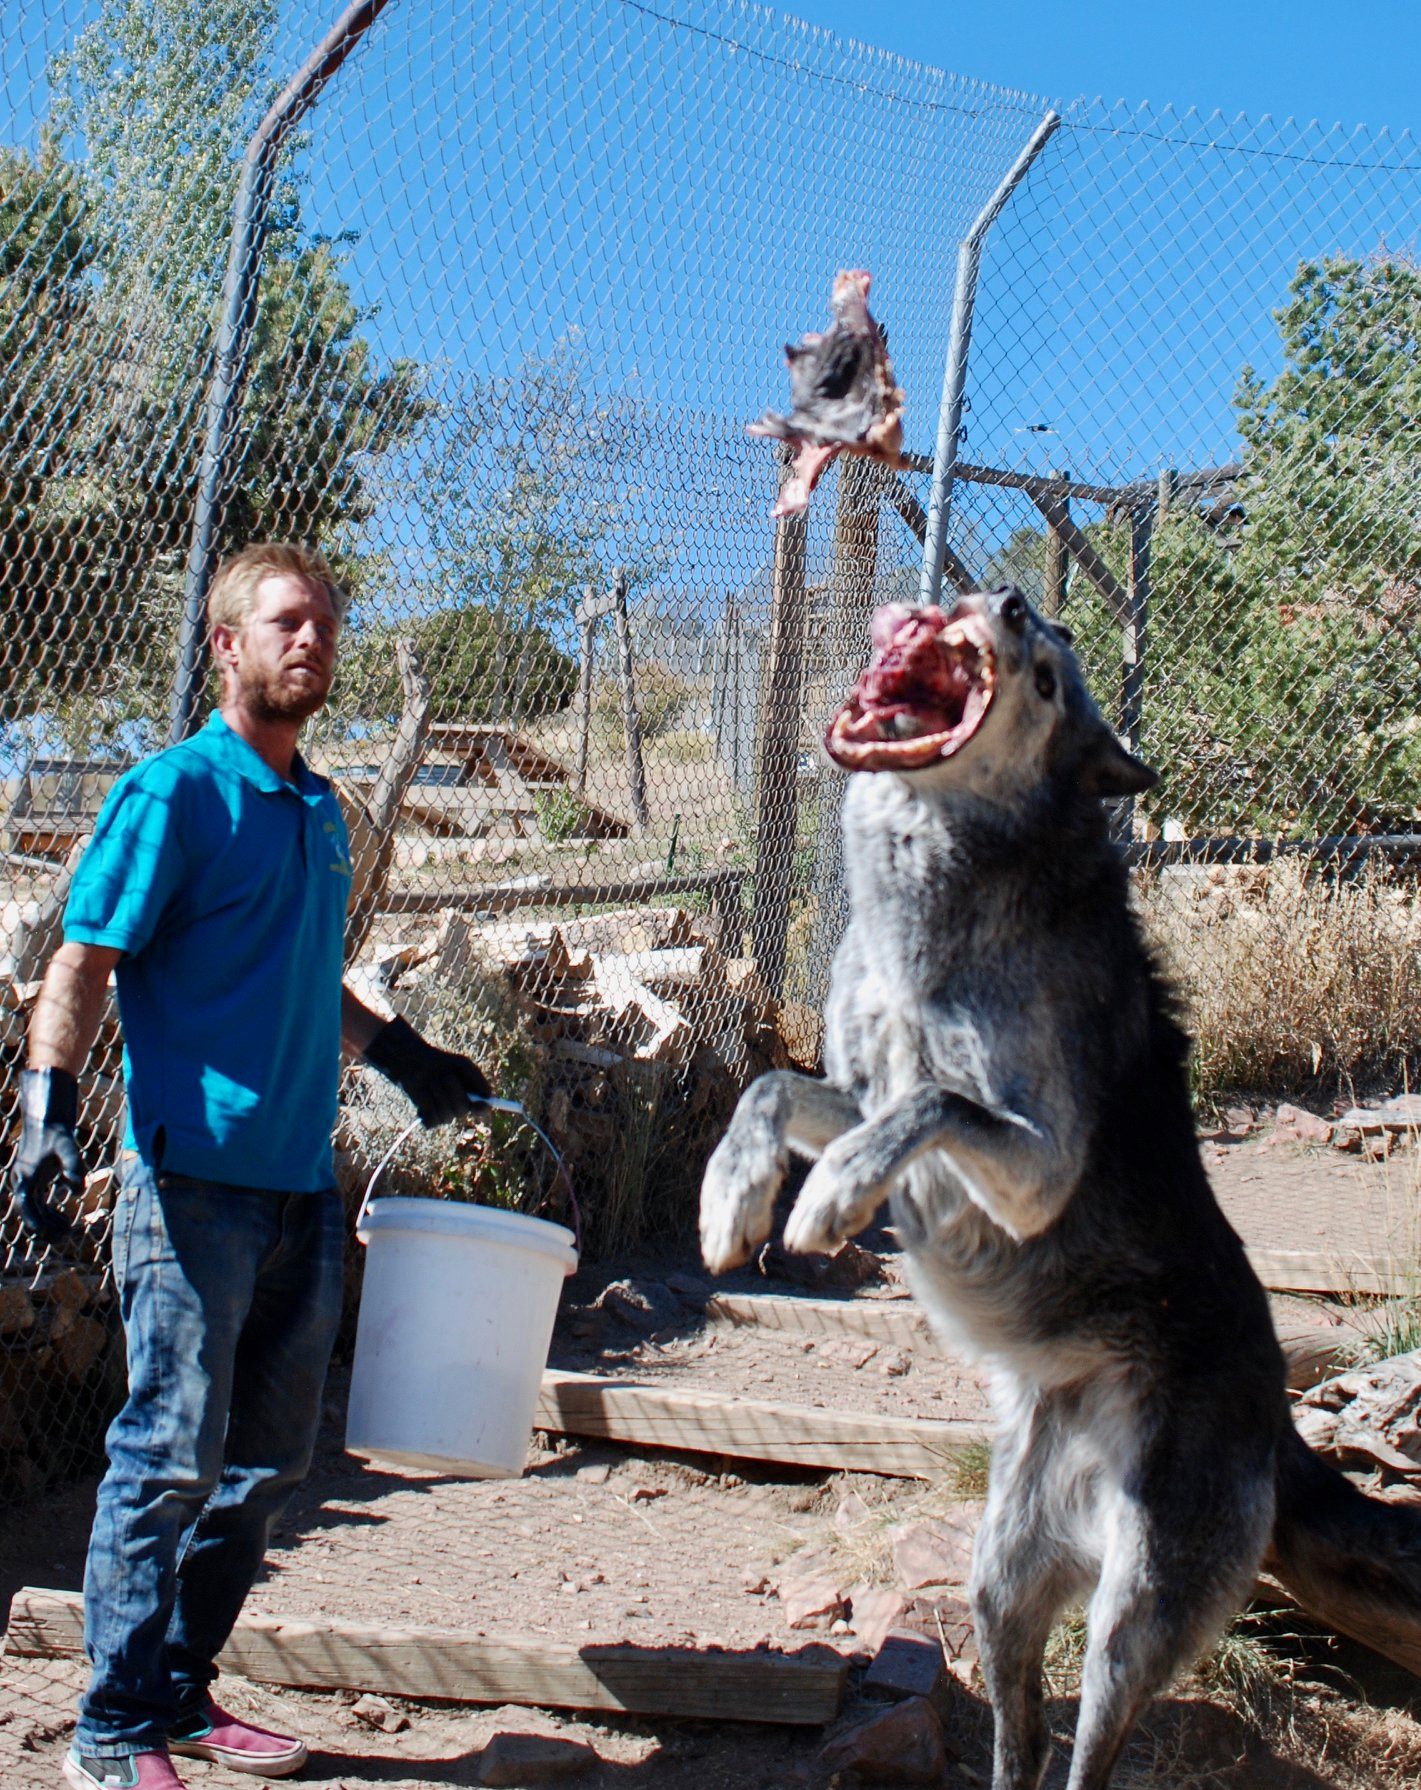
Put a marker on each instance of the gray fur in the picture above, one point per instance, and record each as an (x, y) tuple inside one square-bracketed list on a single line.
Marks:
[(1004, 1066)]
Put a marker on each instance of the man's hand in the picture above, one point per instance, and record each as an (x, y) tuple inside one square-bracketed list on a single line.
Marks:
[(439, 1082), (49, 1110)]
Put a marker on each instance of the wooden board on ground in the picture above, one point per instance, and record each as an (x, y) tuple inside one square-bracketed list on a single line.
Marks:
[(658, 1416), (1328, 1271), (804, 1687), (892, 1321), (1312, 1351)]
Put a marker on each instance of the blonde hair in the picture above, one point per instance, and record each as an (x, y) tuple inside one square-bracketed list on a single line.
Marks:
[(233, 595)]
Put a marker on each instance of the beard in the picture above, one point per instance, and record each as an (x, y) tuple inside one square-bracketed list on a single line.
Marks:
[(277, 696)]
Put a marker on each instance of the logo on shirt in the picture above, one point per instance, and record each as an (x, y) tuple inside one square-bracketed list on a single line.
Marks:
[(341, 866)]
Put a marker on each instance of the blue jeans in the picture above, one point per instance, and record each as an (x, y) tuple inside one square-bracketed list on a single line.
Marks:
[(230, 1298)]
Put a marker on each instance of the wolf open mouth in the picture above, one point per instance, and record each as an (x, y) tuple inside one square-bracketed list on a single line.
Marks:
[(928, 685)]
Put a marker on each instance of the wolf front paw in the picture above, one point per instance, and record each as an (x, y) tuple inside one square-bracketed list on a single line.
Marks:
[(738, 1200), (834, 1204)]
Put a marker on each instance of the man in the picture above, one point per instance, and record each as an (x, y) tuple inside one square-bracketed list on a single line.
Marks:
[(214, 890)]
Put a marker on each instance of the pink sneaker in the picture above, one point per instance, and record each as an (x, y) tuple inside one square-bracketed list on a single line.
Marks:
[(130, 1771), (213, 1734)]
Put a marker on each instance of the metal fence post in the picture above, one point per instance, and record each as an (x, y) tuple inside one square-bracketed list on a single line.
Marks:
[(954, 383), (234, 329)]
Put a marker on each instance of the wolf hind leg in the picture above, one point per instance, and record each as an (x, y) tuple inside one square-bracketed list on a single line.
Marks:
[(1021, 1581), (1013, 1614), (777, 1113), (1142, 1629)]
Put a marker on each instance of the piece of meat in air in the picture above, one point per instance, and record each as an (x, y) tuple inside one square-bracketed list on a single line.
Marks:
[(844, 395)]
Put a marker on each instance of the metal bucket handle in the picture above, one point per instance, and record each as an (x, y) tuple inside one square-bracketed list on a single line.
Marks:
[(479, 1104)]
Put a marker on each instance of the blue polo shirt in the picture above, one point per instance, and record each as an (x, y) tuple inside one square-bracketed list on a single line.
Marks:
[(225, 887)]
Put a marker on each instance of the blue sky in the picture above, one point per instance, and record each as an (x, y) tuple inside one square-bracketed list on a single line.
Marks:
[(1353, 62), (677, 180)]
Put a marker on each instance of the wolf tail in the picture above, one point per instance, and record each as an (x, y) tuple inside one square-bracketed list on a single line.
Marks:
[(1352, 1561)]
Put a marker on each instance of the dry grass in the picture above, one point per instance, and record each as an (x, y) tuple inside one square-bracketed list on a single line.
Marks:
[(1294, 982)]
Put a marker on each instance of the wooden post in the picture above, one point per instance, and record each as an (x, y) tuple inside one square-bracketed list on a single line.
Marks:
[(587, 629), (852, 585), (776, 780), (371, 824), (1166, 492), (587, 624), (1058, 560), (1137, 595), (636, 774)]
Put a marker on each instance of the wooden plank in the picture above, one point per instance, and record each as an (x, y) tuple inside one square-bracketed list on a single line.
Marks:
[(1086, 557), (897, 1322), (700, 1422), (720, 885), (1328, 1271), (1350, 1607), (803, 1687), (1312, 1352), (916, 517)]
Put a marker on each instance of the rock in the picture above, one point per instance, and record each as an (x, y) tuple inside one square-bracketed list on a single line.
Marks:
[(375, 1712), (518, 1759), (894, 1365), (849, 1268), (852, 1513), (944, 1616), (72, 1290), (1294, 1124), (855, 1352), (1346, 1137), (643, 1305), (906, 1664), (1401, 1114), (595, 1473), (1238, 1121), (17, 1310), (873, 1610), (901, 1745), (937, 1552), (811, 1602), (78, 1342)]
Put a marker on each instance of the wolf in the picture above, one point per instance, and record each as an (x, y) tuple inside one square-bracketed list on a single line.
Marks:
[(1007, 1067)]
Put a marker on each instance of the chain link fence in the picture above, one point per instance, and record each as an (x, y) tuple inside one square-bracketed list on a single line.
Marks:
[(526, 276)]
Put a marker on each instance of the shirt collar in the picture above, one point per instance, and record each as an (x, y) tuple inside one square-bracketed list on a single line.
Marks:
[(249, 763)]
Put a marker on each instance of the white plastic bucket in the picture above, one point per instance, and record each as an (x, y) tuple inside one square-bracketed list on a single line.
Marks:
[(456, 1316)]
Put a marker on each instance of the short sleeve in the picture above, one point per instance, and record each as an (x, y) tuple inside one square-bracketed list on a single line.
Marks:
[(131, 869)]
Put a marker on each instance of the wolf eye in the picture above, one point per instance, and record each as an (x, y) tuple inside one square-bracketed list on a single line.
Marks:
[(1045, 682)]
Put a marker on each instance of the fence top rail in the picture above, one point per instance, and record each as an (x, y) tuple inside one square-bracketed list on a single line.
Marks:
[(1157, 854), (1206, 478)]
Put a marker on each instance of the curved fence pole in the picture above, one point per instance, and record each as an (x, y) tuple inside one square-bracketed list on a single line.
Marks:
[(954, 383), (234, 328)]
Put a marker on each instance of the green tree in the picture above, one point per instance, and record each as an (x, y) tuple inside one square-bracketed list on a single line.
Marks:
[(1333, 500), (530, 493), (466, 654), (153, 104)]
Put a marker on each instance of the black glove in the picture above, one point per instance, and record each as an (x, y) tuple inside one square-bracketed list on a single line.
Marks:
[(439, 1082), (49, 1109)]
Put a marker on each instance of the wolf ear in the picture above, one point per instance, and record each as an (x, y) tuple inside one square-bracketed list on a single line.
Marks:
[(1107, 769)]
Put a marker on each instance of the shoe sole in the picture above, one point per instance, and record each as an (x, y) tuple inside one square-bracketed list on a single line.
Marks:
[(81, 1780), (257, 1765)]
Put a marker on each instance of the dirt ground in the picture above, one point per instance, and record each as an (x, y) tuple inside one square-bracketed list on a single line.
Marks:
[(601, 1543)]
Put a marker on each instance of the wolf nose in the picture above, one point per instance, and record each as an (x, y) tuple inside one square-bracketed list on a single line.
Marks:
[(1013, 610)]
